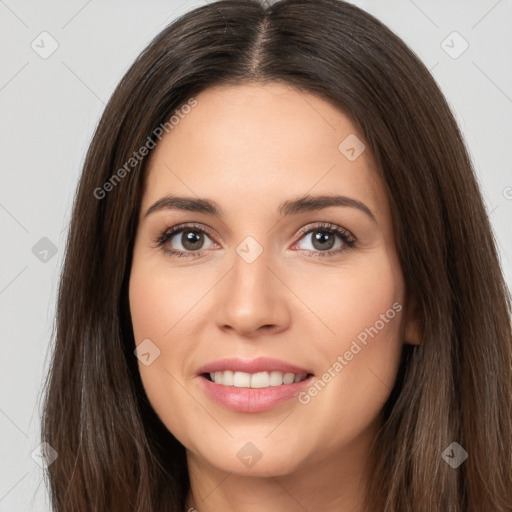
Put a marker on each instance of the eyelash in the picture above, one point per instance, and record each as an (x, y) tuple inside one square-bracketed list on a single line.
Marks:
[(347, 238)]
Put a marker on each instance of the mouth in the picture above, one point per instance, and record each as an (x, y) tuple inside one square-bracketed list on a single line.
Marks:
[(253, 385), (257, 380)]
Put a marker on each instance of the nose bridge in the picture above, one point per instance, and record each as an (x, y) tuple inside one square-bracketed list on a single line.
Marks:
[(250, 277), (252, 296)]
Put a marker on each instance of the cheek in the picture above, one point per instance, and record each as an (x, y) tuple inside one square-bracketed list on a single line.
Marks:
[(353, 302), (160, 307), (160, 300), (363, 309), (367, 308)]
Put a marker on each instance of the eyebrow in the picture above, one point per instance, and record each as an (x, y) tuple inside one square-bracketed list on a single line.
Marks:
[(290, 207)]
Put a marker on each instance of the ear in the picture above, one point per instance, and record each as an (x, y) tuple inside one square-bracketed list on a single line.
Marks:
[(413, 331)]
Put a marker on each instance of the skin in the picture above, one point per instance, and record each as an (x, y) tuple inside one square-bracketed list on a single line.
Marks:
[(249, 148)]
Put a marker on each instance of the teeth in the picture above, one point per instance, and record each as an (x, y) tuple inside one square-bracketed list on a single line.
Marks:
[(276, 378), (260, 380), (227, 377), (240, 380), (255, 380), (288, 378)]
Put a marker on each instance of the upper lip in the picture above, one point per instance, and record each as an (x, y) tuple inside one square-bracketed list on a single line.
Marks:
[(260, 364)]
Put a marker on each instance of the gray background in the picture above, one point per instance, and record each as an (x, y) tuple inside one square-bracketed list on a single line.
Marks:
[(50, 106)]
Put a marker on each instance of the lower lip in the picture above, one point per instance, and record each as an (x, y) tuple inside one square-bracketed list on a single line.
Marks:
[(253, 399)]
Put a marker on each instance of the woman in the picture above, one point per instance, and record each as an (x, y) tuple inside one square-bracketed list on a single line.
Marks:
[(281, 289)]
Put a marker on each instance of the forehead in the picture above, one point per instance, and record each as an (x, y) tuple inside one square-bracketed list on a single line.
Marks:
[(252, 145)]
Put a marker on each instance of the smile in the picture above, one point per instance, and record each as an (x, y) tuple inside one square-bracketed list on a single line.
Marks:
[(254, 380), (255, 385)]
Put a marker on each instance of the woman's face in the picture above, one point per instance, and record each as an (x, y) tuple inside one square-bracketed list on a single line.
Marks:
[(274, 286)]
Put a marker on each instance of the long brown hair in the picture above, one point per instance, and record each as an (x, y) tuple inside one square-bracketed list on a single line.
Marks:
[(114, 454)]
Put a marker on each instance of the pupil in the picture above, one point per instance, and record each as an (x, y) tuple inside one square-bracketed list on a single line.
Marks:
[(321, 237)]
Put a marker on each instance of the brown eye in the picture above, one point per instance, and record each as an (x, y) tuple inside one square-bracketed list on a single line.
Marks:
[(323, 240), (185, 241)]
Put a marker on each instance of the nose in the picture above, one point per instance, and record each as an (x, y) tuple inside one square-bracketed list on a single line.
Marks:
[(253, 298)]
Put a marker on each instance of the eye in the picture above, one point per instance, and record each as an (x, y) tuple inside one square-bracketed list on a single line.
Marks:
[(189, 240), (322, 239)]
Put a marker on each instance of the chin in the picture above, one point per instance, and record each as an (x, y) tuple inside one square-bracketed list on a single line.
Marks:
[(252, 458)]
